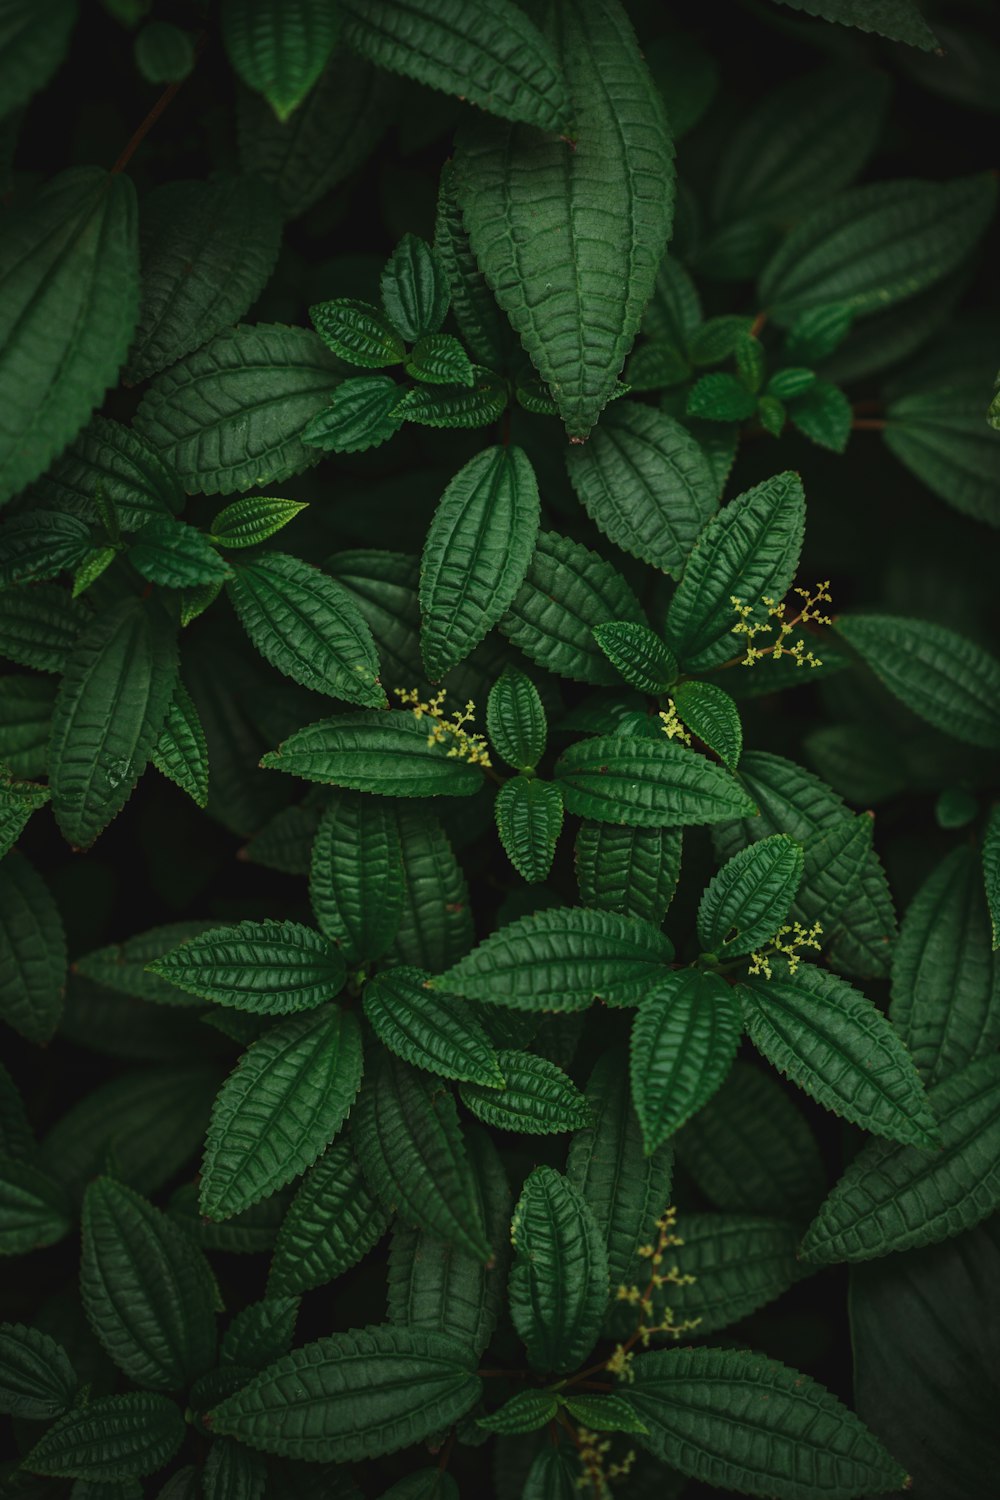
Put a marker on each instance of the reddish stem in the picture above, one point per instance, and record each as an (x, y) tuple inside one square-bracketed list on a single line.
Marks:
[(157, 110)]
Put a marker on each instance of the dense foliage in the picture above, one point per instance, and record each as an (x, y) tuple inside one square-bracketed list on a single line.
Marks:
[(500, 878)]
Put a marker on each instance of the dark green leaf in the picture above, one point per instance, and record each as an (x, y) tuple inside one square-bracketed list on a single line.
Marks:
[(356, 883), (738, 1263), (33, 43), (537, 1098), (436, 1032), (245, 523), (39, 544), (515, 720), (559, 1279), (436, 927), (268, 968), (439, 359), (720, 397), (126, 967), (526, 1411), (32, 951), (475, 403), (361, 414), (383, 752), (482, 325), (34, 1209), (629, 870), (38, 627), (991, 872), (232, 1472), (684, 1039), (749, 899), (899, 19), (939, 434), (37, 1379), (710, 714), (181, 751), (648, 783), (110, 1438), (261, 1333), (333, 1220), (279, 48), (358, 333), (414, 288), (638, 653), (529, 816), (164, 53), (824, 414), (175, 555), (110, 461), (604, 1413)]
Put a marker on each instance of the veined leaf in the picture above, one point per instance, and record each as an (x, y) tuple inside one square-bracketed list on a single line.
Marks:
[(552, 1475), (629, 870), (230, 416), (267, 968), (176, 555), (181, 752), (648, 783), (147, 1289), (478, 548), (830, 1040), (436, 1032), (17, 1139), (356, 882), (567, 591), (516, 721), (529, 816), (38, 627), (739, 1263), (280, 1108), (69, 287), (127, 967), (304, 624), (526, 1411), (414, 287), (836, 863), (33, 43), (900, 20), (991, 872), (537, 1098), (383, 752), (483, 327), (261, 1333), (645, 482), (558, 1285), (938, 433), (801, 1443), (37, 1379), (279, 47), (436, 925), (32, 951), (109, 712), (750, 1150), (609, 194), (361, 414), (472, 403), (749, 549), (562, 959), (877, 244), (491, 54), (114, 462), (39, 544), (944, 677), (357, 332), (109, 1439), (604, 1413), (439, 359), (748, 900), (895, 1197), (232, 1471), (710, 714), (684, 1039), (34, 1208), (362, 1393), (410, 1145), (643, 659), (333, 1220), (424, 1484)]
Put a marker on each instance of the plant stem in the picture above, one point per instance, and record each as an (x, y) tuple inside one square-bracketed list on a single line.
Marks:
[(157, 110)]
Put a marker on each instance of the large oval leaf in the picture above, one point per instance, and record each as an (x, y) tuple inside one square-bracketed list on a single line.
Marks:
[(112, 1438), (383, 752), (737, 1263), (267, 968), (439, 1033), (647, 783)]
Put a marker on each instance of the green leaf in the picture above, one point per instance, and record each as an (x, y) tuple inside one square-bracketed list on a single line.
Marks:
[(483, 327), (478, 548), (181, 752), (303, 623), (386, 752), (945, 982), (604, 1413), (94, 564), (110, 1438), (562, 959), (38, 627), (438, 1033), (802, 1444), (230, 416), (750, 549), (246, 523), (37, 1379), (716, 340), (208, 250), (332, 1222), (877, 244), (898, 19), (895, 1197), (738, 1264), (526, 1411), (409, 1141), (232, 1472), (487, 51), (33, 43), (645, 482), (558, 1285), (146, 1288), (476, 403), (414, 288), (567, 591), (39, 544), (648, 783), (436, 926), (720, 397), (113, 462), (18, 800), (609, 194), (537, 1098), (710, 714), (424, 1484), (356, 882), (439, 359), (944, 677), (358, 333), (991, 872), (656, 366), (32, 951), (529, 817), (34, 1209), (176, 555), (280, 1108), (267, 968), (163, 53), (684, 1038), (629, 870), (638, 653), (261, 1333), (830, 1040), (791, 382), (825, 415), (127, 967), (360, 1394), (516, 721), (278, 48), (361, 414), (939, 434), (69, 287), (749, 899)]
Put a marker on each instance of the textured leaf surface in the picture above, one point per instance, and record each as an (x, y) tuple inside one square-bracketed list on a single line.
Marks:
[(593, 215), (125, 967), (361, 414), (280, 1108), (18, 800), (537, 1097), (333, 1220), (748, 900), (36, 1377), (268, 968), (32, 951), (684, 1039), (181, 752), (111, 1438), (515, 720), (562, 959), (175, 555), (526, 1411), (938, 433), (899, 19), (739, 1263), (383, 752), (356, 881), (479, 544), (34, 1210), (38, 627), (114, 460), (436, 926), (743, 1422), (69, 286), (436, 1032), (991, 872), (895, 1197), (414, 287), (559, 1279), (647, 783), (529, 816), (356, 1394), (633, 871), (711, 715), (279, 47)]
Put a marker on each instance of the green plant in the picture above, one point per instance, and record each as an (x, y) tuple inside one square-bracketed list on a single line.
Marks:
[(556, 1019)]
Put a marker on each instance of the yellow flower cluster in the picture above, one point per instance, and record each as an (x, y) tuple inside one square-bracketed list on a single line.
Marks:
[(666, 1239), (787, 941), (672, 726), (809, 612), (450, 732), (592, 1453)]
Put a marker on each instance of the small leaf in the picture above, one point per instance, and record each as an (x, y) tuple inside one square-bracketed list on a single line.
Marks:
[(720, 397), (436, 1032), (36, 1378), (163, 53), (529, 816), (604, 1413), (356, 877), (648, 783), (34, 1209), (383, 752), (515, 720), (439, 359), (181, 752), (279, 48), (537, 1097), (261, 1333), (749, 899), (638, 653), (684, 1039), (175, 555), (267, 968), (90, 570), (629, 870), (110, 1438), (526, 1411), (710, 714), (39, 544), (332, 1222), (414, 287), (32, 951), (361, 415), (824, 414), (358, 333), (246, 523), (476, 403)]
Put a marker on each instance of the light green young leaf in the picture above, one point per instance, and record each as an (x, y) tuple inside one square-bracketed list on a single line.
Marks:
[(332, 1222), (37, 1379), (279, 47), (361, 1394), (267, 968), (110, 1438), (749, 899), (638, 653), (562, 959), (537, 1098), (437, 1032), (830, 1040), (647, 783), (386, 752), (629, 870), (32, 951), (516, 721), (280, 1108), (895, 1197), (684, 1039), (710, 714), (529, 817), (90, 569), (609, 193), (356, 882), (478, 549)]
